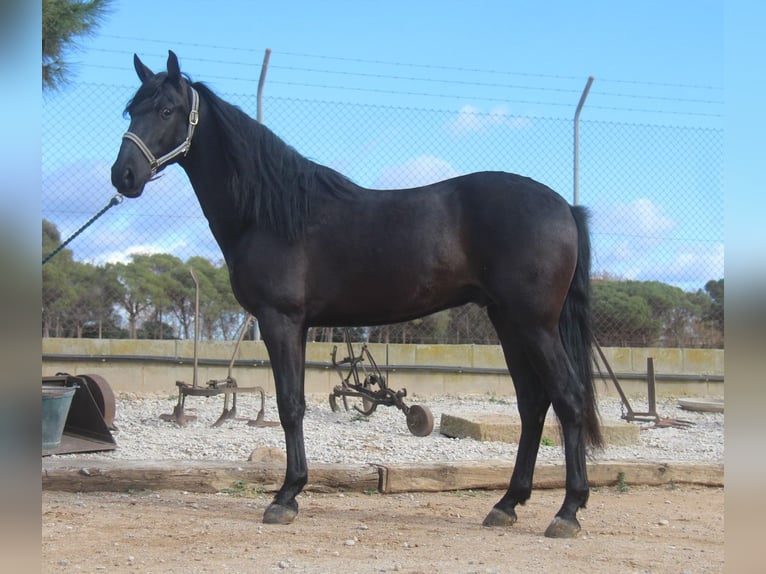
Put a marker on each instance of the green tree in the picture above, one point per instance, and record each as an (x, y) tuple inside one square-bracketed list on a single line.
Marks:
[(648, 313), (63, 21), (210, 304), (714, 289), (87, 304), (152, 328), (621, 317), (684, 326), (58, 291), (78, 298), (232, 314), (103, 321), (134, 290), (166, 282), (106, 322), (221, 316)]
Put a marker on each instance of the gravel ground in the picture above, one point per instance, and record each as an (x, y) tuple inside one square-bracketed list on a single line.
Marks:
[(383, 437)]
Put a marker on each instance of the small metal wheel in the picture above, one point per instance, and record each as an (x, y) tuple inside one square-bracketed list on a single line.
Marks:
[(420, 420)]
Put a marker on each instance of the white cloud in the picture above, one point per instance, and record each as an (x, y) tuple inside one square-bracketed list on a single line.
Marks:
[(126, 255), (630, 229), (636, 241), (471, 119), (695, 263), (468, 120), (82, 186), (643, 217), (421, 170)]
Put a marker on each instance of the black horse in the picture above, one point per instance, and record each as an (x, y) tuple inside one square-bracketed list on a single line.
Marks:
[(307, 247)]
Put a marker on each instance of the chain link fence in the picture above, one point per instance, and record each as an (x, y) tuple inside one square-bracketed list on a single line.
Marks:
[(655, 195)]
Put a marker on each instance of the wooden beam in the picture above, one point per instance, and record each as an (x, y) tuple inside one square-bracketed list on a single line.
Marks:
[(215, 476)]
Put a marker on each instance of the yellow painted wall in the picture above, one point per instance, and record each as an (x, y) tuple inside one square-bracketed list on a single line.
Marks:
[(119, 362)]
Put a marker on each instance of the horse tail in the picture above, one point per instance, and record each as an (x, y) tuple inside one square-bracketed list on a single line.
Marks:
[(575, 326)]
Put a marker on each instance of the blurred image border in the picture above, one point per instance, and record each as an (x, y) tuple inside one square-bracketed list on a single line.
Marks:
[(20, 429)]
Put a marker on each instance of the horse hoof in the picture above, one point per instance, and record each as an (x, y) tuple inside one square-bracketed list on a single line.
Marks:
[(497, 517), (562, 528), (278, 514)]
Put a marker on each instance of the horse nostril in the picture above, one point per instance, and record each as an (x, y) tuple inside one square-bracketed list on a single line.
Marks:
[(127, 178)]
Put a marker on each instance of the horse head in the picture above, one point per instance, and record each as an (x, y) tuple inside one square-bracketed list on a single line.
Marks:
[(163, 116)]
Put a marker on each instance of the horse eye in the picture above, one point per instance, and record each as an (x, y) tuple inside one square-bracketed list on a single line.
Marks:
[(166, 112)]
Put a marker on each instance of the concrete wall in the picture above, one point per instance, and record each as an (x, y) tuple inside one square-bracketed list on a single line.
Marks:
[(151, 367)]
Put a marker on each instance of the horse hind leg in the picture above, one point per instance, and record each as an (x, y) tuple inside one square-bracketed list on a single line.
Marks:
[(533, 404), (549, 360)]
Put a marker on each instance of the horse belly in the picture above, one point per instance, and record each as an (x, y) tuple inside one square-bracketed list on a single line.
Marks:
[(377, 293)]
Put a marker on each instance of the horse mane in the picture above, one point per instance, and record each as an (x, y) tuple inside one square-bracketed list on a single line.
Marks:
[(271, 184)]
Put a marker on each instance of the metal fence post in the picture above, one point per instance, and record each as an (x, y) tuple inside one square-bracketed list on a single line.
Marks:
[(576, 195), (261, 81)]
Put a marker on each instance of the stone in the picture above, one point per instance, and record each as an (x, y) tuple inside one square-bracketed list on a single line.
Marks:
[(507, 428), (268, 455)]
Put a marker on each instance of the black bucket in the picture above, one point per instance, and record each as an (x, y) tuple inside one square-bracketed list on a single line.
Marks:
[(56, 403)]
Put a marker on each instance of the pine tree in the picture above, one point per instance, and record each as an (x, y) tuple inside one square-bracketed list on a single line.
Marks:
[(63, 22)]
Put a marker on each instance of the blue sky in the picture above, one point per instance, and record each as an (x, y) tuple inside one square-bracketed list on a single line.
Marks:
[(650, 51), (654, 62)]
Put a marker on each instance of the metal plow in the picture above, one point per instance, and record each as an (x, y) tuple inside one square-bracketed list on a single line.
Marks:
[(371, 387), (651, 414), (227, 387)]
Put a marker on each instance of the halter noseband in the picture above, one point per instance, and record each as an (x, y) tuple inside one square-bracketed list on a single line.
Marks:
[(182, 148)]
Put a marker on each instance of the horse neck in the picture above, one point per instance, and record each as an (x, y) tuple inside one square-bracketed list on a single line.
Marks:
[(275, 188), (205, 167)]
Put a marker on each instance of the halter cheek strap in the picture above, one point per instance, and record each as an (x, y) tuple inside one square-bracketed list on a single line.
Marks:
[(181, 149)]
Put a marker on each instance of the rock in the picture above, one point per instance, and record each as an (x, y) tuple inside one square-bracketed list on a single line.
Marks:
[(507, 428), (268, 455)]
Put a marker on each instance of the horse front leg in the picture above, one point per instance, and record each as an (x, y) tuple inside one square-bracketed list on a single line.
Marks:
[(285, 341)]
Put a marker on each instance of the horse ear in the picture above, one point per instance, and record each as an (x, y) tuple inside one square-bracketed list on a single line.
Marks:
[(143, 72), (174, 70)]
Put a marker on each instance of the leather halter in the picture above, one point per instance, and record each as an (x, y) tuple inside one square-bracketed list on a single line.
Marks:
[(182, 148)]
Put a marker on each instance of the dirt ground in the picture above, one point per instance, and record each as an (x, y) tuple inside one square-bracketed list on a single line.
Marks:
[(646, 529)]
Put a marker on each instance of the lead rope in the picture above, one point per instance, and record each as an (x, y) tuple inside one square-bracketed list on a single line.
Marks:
[(116, 200)]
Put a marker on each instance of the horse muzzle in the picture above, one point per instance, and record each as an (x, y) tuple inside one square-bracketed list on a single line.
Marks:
[(126, 181)]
